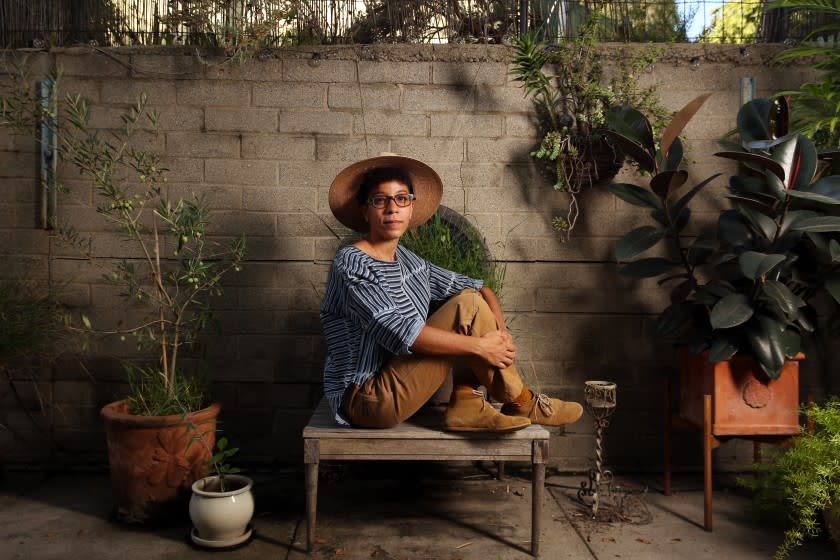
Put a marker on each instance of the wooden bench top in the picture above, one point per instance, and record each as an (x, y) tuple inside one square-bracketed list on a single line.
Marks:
[(421, 437)]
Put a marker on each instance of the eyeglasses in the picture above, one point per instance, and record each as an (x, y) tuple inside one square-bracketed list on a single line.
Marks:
[(381, 201)]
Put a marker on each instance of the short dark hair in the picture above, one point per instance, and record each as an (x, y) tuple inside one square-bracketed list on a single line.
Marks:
[(379, 175)]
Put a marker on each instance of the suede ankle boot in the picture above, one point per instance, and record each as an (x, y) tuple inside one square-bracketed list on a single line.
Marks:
[(469, 412), (542, 409)]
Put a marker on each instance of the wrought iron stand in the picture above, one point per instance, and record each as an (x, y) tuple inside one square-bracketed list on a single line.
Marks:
[(599, 397)]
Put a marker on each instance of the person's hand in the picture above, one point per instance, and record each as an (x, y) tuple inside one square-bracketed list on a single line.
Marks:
[(498, 349)]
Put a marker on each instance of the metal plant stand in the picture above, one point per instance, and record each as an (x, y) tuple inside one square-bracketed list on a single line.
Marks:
[(599, 398)]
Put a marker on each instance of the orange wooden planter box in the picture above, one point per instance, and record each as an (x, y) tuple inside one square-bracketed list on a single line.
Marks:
[(744, 401)]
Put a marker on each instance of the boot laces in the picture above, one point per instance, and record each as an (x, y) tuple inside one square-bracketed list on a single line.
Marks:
[(478, 393), (545, 404)]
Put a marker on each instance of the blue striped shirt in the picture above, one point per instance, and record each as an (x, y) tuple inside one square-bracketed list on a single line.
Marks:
[(375, 309)]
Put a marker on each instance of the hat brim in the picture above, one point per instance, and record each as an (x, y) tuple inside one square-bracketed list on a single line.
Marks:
[(428, 190)]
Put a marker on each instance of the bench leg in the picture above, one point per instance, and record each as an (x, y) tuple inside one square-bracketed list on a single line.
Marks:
[(539, 455), (311, 458)]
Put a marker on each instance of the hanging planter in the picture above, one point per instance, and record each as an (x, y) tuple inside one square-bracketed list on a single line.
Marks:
[(597, 161), (571, 95)]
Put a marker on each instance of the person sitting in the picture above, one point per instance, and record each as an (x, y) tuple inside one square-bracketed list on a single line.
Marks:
[(385, 357)]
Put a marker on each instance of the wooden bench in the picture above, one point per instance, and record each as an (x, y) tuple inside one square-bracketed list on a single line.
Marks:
[(419, 439)]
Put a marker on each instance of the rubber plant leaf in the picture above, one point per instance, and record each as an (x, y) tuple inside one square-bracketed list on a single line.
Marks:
[(632, 131), (765, 162), (686, 198), (721, 350), (733, 230), (754, 265), (678, 123), (663, 184), (798, 157), (754, 120), (635, 195), (818, 224), (675, 156), (637, 241), (786, 300), (764, 337), (731, 311), (834, 250)]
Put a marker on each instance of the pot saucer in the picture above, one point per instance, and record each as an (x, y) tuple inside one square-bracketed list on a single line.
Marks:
[(221, 544)]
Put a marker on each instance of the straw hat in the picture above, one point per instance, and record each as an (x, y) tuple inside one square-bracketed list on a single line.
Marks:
[(428, 188)]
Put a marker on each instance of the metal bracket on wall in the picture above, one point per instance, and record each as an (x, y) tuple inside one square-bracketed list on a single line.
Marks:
[(48, 153), (747, 89)]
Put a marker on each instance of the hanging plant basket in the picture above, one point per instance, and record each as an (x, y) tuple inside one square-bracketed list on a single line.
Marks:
[(597, 161)]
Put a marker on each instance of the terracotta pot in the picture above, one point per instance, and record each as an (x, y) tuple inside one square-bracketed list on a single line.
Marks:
[(152, 465), (221, 518), (744, 400)]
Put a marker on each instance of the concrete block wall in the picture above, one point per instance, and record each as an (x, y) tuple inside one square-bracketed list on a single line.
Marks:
[(263, 140)]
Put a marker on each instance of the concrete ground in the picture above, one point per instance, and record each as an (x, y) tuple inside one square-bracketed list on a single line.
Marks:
[(390, 511)]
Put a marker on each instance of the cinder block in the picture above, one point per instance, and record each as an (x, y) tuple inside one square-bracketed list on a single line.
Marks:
[(74, 392), (184, 65), (87, 89), (76, 417), (290, 96), (284, 199), (508, 99), (242, 171), (11, 141), (521, 125), (252, 321), (244, 120), (278, 147), (344, 96), (211, 93), (398, 72), (274, 347), (127, 92), (316, 122), (27, 394), (297, 248), (19, 165), (301, 224), (106, 118), (192, 144), (469, 74), (319, 70), (502, 149), (431, 149), (238, 223), (217, 197), (427, 98), (269, 69), (389, 124), (184, 170), (466, 125), (349, 149), (82, 62), (180, 119)]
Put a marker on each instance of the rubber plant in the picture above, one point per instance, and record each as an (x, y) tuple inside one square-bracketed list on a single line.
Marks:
[(746, 283)]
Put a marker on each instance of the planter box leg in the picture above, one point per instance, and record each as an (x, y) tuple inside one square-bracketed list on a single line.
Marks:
[(707, 462), (666, 444)]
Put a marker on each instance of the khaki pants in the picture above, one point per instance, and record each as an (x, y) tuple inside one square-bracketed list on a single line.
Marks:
[(405, 383)]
